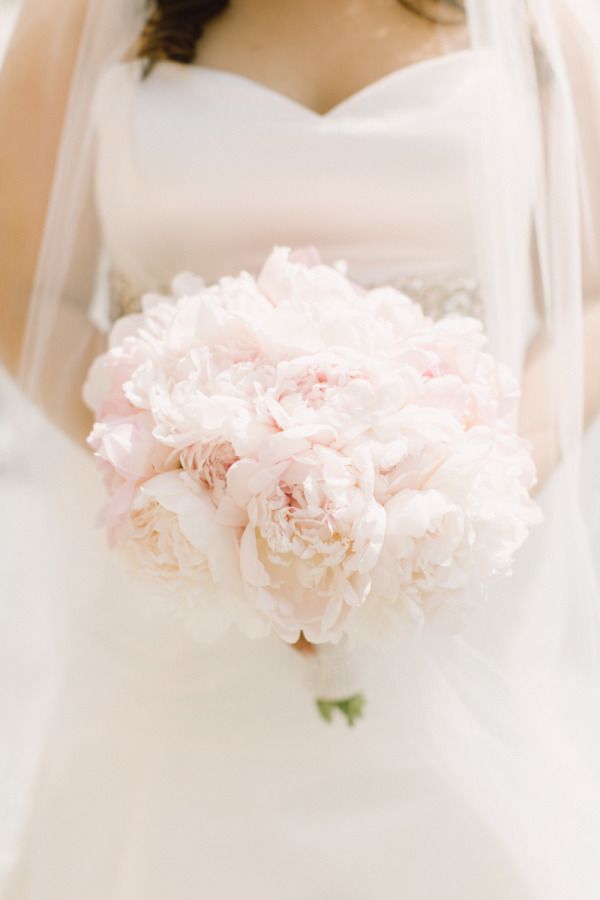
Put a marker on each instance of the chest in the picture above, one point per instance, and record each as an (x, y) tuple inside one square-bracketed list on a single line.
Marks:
[(319, 54)]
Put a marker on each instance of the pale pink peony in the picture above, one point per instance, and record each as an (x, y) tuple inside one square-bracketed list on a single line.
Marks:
[(311, 456), (171, 538), (209, 464), (327, 388), (312, 532), (447, 539), (307, 256)]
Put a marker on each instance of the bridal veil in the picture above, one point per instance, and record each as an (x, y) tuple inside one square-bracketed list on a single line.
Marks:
[(524, 682)]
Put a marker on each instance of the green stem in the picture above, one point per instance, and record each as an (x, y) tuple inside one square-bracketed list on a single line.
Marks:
[(352, 708)]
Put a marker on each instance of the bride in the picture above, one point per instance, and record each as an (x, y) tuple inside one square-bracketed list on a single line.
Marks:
[(449, 151)]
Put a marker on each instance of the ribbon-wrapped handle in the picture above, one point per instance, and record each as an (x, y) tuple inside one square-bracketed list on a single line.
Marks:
[(334, 674)]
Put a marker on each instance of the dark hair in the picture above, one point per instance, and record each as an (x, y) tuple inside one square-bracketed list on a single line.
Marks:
[(174, 27)]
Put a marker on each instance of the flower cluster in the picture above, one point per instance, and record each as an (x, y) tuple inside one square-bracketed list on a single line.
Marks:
[(294, 452)]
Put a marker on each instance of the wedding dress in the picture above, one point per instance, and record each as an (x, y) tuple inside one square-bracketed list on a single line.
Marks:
[(175, 769)]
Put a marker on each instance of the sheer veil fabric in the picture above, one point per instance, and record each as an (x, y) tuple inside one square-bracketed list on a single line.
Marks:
[(522, 682)]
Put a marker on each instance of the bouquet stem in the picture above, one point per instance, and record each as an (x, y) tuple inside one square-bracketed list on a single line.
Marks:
[(350, 705), (352, 708)]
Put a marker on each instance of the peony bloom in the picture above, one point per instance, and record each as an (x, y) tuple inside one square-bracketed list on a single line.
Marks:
[(326, 388), (171, 538), (312, 532), (209, 464), (294, 452)]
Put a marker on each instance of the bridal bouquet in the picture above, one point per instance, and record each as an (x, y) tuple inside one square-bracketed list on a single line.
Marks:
[(295, 453)]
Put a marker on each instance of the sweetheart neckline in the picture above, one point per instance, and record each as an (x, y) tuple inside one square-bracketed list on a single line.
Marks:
[(403, 72)]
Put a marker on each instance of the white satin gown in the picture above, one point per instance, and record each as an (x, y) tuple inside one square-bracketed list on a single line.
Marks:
[(182, 771)]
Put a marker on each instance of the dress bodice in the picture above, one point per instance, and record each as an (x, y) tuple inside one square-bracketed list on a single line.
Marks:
[(205, 170)]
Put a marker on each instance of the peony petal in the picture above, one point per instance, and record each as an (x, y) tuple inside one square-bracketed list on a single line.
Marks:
[(253, 570)]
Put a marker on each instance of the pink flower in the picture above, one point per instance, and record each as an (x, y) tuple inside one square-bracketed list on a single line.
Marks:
[(209, 464), (312, 532), (326, 388), (128, 455), (172, 540), (312, 456), (306, 256), (455, 347)]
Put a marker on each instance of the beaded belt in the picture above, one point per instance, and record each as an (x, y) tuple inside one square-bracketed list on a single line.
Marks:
[(437, 295)]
